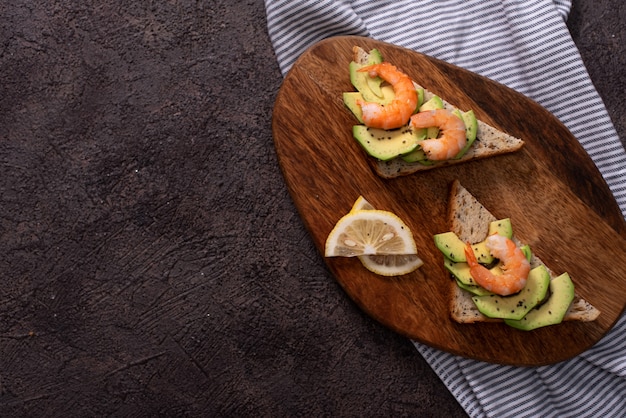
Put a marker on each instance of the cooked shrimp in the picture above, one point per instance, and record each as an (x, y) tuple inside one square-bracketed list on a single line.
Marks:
[(452, 137), (397, 113), (515, 266)]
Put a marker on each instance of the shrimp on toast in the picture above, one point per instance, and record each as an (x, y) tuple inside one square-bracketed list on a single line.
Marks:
[(515, 267), (452, 137), (398, 112)]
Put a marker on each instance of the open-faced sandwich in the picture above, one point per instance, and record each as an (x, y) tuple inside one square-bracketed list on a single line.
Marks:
[(497, 278), (405, 128)]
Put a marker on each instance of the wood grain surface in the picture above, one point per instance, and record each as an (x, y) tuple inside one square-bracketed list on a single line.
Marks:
[(551, 190)]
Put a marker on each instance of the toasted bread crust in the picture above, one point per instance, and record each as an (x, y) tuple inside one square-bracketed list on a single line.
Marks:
[(469, 219), (359, 55)]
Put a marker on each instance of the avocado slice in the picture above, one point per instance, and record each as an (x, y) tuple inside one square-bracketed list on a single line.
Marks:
[(386, 144), (553, 310), (350, 99), (454, 249), (374, 84), (527, 252), (420, 97), (471, 129), (369, 87), (418, 154), (451, 246), (474, 289), (518, 305), (433, 103), (461, 272)]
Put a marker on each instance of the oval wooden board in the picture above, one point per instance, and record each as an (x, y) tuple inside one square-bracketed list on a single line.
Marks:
[(551, 190)]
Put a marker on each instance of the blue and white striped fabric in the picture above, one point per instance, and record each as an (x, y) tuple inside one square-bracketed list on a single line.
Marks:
[(526, 46)]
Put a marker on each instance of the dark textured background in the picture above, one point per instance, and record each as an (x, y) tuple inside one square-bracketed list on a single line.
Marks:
[(152, 261)]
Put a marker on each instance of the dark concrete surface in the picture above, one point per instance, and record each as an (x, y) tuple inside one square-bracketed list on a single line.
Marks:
[(599, 31), (152, 261)]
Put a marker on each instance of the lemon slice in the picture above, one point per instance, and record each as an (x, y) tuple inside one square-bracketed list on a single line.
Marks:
[(361, 204), (370, 232), (391, 265), (386, 265)]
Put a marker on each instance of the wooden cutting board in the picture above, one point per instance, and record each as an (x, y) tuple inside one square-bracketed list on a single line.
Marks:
[(551, 190)]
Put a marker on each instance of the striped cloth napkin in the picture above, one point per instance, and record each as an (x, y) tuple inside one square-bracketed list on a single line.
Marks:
[(525, 45)]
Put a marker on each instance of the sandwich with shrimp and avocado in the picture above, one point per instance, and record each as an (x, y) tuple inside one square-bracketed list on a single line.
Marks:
[(398, 151), (546, 299)]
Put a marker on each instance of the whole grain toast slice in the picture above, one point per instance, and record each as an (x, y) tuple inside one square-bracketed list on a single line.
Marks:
[(469, 219), (489, 140)]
